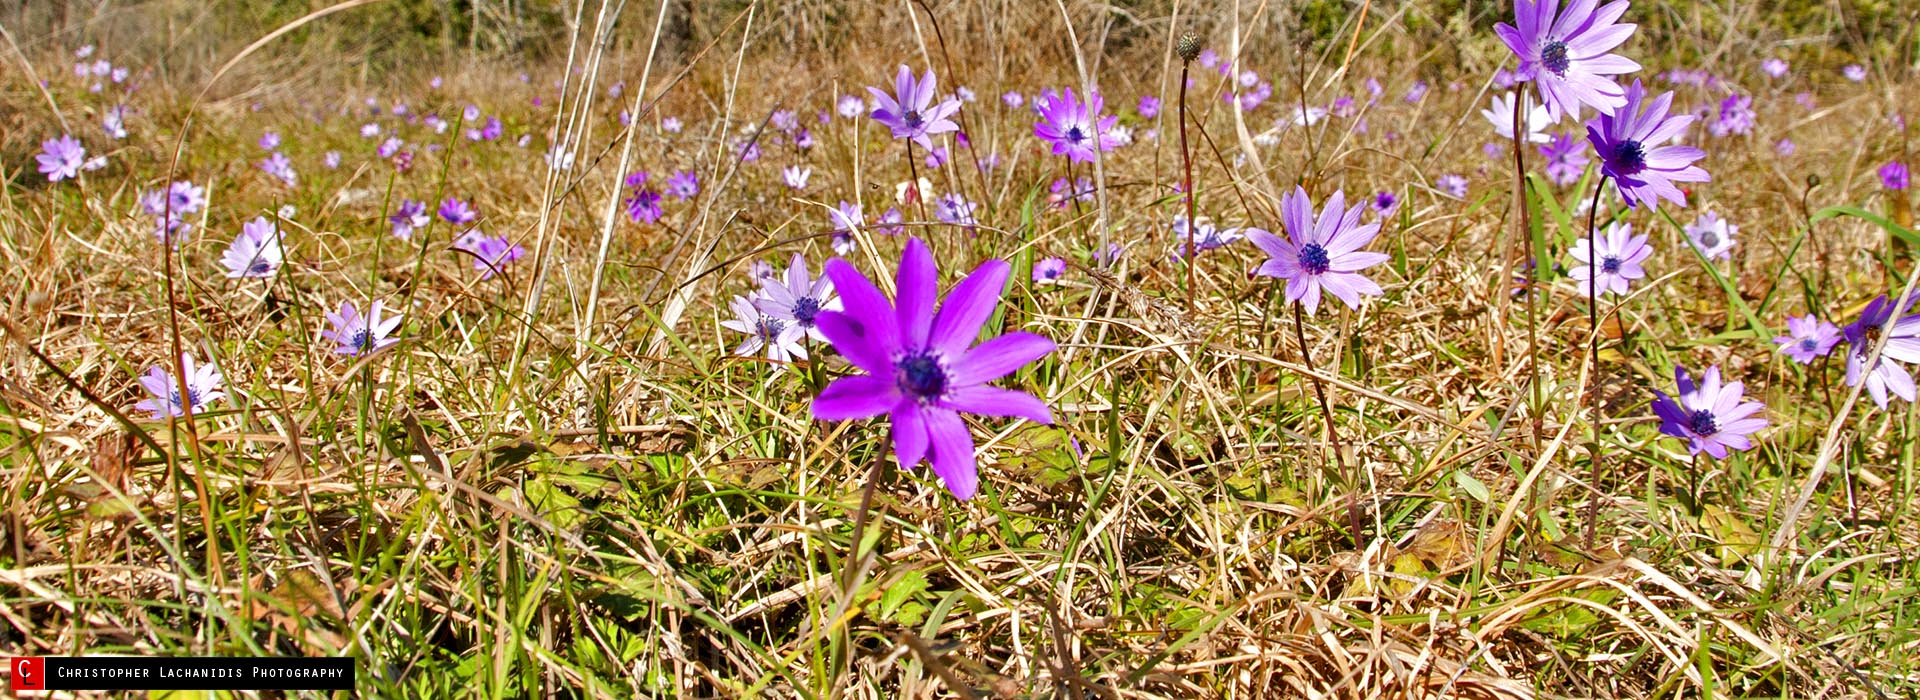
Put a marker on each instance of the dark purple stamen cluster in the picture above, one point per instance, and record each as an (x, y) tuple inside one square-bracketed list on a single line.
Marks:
[(1554, 57), (1313, 258), (804, 309), (1701, 423), (1610, 265), (1629, 157), (920, 377)]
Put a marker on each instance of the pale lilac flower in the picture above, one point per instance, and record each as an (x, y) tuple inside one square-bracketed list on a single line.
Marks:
[(457, 212), (1712, 417), (785, 120), (354, 334), (923, 369), (764, 332), (1854, 72), (1808, 337), (671, 125), (412, 216), (1566, 159), (1619, 255), (891, 222), (278, 166), (798, 300), (796, 176), (471, 114), (850, 106), (1568, 55), (1061, 193), (1418, 92), (1013, 99), (1204, 235), (114, 122), (203, 387), (1784, 148), (1323, 254), (256, 252), (1049, 270), (560, 157), (491, 253), (369, 130), (683, 185), (846, 218), (61, 158), (1453, 185), (1736, 117), (1148, 108), (1805, 100), (1774, 68), (1712, 236), (270, 141), (955, 209), (83, 52), (389, 147)]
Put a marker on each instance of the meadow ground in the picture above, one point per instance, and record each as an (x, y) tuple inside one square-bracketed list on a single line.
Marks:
[(576, 466)]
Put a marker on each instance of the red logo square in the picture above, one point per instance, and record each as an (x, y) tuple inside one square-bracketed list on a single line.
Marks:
[(29, 673)]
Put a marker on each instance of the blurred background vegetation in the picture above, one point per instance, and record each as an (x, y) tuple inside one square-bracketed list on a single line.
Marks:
[(394, 35)]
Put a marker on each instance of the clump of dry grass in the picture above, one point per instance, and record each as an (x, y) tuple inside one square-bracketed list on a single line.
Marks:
[(528, 498)]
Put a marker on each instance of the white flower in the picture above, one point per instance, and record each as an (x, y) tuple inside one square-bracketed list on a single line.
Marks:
[(1712, 236), (255, 252), (1501, 114)]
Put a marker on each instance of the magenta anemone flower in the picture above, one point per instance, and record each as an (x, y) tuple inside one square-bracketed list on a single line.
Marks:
[(1711, 417), (1074, 128), (61, 158), (1149, 107), (255, 252), (1323, 254), (923, 369), (911, 112), (412, 216), (1631, 152), (357, 335), (644, 204), (1620, 254), (203, 387), (1808, 337), (799, 300), (1894, 176), (1566, 54)]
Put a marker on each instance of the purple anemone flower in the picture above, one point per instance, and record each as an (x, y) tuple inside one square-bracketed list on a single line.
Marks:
[(1075, 128), (278, 166), (1736, 117), (798, 300), (61, 158), (683, 185), (490, 253), (1903, 345), (780, 340), (1774, 68), (203, 387), (412, 216), (255, 252), (1566, 54), (923, 369), (846, 218), (911, 112), (1453, 185), (1620, 254), (1323, 254), (644, 204), (457, 212), (1808, 337), (1566, 159), (1854, 72), (356, 335), (1631, 152), (1204, 235), (1711, 416), (1149, 107)]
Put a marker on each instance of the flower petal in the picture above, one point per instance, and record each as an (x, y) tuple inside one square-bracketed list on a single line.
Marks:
[(916, 286), (856, 397), (994, 401), (968, 307), (952, 452), (997, 358), (909, 435)]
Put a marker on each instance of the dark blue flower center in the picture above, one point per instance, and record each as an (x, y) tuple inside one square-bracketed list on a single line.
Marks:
[(1709, 239), (920, 377), (804, 310), (1629, 157), (260, 267), (912, 118), (1701, 423), (1809, 344), (1554, 57), (1075, 135), (363, 340), (1314, 259), (1610, 265), (769, 328)]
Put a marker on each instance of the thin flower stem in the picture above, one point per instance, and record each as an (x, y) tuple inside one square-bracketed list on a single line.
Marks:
[(1525, 233), (1333, 435), (1593, 358), (1186, 185), (913, 184)]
